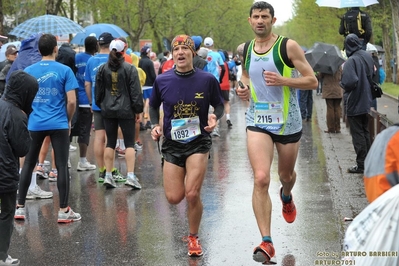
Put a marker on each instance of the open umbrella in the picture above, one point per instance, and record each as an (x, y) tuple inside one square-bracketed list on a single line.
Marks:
[(324, 58), (96, 30), (52, 24), (346, 3)]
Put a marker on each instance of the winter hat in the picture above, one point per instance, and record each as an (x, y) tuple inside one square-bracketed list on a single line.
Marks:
[(183, 40), (197, 41)]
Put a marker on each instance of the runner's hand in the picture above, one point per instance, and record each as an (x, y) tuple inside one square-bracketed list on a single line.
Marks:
[(156, 133), (212, 123)]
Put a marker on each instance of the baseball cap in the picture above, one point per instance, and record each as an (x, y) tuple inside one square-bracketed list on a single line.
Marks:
[(145, 49), (118, 45), (197, 41), (11, 50), (105, 38), (208, 41)]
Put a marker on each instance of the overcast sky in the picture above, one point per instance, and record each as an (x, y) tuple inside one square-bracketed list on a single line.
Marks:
[(282, 10)]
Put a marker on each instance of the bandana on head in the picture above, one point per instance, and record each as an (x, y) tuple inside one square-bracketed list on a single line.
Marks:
[(184, 40)]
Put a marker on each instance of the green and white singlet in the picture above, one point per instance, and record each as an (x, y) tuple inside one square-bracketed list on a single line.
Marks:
[(272, 108)]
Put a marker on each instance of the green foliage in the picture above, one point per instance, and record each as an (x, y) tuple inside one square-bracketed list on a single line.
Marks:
[(390, 89)]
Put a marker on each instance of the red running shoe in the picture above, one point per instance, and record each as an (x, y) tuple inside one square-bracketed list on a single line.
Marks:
[(289, 209), (194, 247), (265, 254)]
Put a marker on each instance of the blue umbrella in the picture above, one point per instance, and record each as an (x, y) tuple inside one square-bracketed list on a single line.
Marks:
[(346, 3), (55, 25), (96, 30)]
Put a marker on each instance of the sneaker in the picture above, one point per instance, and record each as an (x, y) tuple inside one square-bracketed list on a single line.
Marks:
[(264, 253), (42, 172), (117, 176), (289, 210), (38, 193), (67, 217), (9, 261), (20, 213), (355, 170), (138, 146), (215, 133), (72, 148), (229, 124), (101, 176), (52, 176), (142, 127), (120, 152), (109, 182), (148, 125), (86, 166), (194, 247), (133, 182)]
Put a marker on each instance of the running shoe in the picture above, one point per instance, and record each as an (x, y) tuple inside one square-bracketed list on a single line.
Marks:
[(52, 176), (72, 148), (138, 146), (109, 182), (20, 213), (86, 166), (194, 247), (120, 152), (67, 217), (265, 253), (9, 261), (42, 171), (101, 176), (229, 124), (289, 210), (38, 193), (133, 182), (117, 176)]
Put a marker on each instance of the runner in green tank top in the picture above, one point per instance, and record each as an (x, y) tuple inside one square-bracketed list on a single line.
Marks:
[(273, 117)]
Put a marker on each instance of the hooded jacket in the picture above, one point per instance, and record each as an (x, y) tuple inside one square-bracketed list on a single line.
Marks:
[(28, 54), (118, 91), (15, 140), (354, 79)]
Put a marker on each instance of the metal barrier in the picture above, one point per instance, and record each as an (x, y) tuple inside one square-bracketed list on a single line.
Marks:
[(377, 123)]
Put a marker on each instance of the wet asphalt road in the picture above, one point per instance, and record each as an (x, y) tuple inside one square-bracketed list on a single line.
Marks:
[(138, 227)]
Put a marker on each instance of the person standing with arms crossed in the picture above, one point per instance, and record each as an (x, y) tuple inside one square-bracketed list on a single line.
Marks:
[(273, 117), (186, 94)]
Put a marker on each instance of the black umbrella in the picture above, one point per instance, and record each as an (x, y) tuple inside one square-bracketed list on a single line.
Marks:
[(325, 58)]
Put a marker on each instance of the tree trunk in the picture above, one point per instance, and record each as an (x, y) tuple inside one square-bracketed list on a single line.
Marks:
[(395, 19), (387, 41), (1, 18)]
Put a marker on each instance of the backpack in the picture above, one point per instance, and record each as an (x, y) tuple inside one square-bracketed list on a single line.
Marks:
[(353, 23)]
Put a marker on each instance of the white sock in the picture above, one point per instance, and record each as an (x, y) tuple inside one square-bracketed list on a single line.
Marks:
[(227, 116), (117, 144), (130, 174), (33, 181), (82, 159), (20, 170)]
